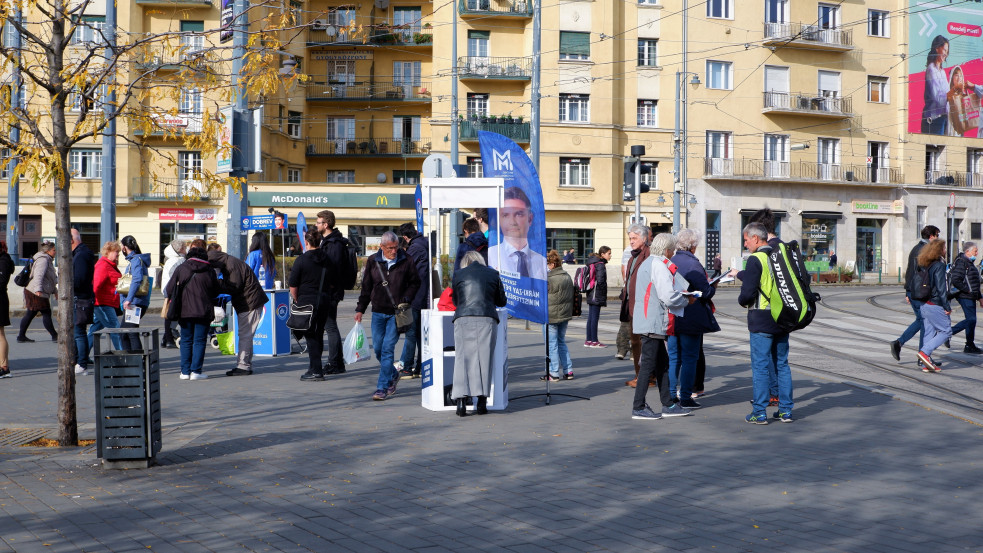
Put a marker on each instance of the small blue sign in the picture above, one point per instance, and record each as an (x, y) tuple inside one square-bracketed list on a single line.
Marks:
[(426, 373), (265, 222)]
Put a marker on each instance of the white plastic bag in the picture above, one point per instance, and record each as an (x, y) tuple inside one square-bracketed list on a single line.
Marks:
[(356, 347)]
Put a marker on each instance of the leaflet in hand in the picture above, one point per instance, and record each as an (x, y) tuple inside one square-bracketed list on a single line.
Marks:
[(694, 293), (724, 278), (132, 315)]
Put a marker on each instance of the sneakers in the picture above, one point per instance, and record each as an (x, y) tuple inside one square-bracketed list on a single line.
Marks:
[(645, 414), (698, 394), (618, 355), (4, 372), (185, 376), (379, 395), (689, 403), (971, 348), (391, 390), (947, 344), (312, 376), (335, 370), (599, 345), (550, 378), (407, 373), (79, 369), (782, 417), (896, 350), (928, 365), (198, 376), (675, 410), (773, 401), (756, 419), (568, 376), (238, 372), (588, 344)]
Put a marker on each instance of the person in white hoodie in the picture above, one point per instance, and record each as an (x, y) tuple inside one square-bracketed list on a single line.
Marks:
[(174, 255)]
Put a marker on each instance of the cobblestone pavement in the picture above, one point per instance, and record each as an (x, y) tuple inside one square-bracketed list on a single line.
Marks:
[(269, 463)]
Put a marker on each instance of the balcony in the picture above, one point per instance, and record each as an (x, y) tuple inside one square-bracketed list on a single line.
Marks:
[(802, 171), (517, 131), (954, 178), (147, 188), (367, 147), (809, 104), (402, 35), (323, 88), (487, 9), (184, 4), (163, 58), (507, 69), (811, 37)]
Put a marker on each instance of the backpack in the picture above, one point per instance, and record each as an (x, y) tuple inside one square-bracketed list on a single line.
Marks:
[(577, 303), (921, 285), (348, 275), (24, 276), (793, 304), (585, 279)]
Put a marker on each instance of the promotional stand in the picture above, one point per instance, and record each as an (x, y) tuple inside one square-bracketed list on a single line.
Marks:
[(272, 336)]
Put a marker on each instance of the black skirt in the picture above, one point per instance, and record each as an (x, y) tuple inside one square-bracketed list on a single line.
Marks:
[(4, 309)]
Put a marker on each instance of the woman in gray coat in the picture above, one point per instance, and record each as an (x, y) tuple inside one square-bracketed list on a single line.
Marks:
[(478, 291), (43, 283)]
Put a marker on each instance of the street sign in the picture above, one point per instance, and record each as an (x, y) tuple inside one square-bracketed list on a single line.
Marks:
[(870, 161), (952, 200)]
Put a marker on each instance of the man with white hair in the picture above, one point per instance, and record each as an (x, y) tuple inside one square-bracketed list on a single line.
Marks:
[(389, 282), (638, 238), (83, 267)]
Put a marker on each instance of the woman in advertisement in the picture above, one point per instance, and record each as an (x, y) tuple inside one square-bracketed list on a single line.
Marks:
[(936, 110)]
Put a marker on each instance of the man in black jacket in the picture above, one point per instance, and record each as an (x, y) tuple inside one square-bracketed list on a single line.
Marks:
[(965, 278), (389, 281), (248, 299), (930, 232), (334, 249), (83, 266), (419, 252)]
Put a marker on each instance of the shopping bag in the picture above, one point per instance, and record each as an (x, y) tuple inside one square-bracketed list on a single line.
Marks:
[(226, 343), (356, 347)]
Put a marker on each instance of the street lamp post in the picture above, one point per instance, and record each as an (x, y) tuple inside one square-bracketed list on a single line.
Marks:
[(679, 139)]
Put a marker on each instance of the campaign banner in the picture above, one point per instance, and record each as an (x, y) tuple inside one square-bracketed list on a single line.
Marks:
[(418, 199), (265, 222), (945, 69), (517, 235), (301, 231)]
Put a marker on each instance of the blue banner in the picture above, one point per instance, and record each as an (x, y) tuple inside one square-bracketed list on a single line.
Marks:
[(301, 231), (271, 221), (419, 208), (517, 235)]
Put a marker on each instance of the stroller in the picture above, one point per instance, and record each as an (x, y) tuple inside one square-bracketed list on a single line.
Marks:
[(221, 324)]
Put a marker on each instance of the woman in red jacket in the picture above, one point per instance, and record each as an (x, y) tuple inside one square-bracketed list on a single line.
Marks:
[(104, 285)]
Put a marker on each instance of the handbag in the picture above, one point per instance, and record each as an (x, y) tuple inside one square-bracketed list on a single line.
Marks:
[(300, 316), (172, 304), (404, 313), (126, 281)]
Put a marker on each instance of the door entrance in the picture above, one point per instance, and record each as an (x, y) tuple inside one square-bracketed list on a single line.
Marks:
[(869, 244)]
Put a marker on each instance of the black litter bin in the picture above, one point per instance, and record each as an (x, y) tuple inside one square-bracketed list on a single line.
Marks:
[(128, 433)]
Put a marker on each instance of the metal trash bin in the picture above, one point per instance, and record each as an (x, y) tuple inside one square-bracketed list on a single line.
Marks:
[(128, 430)]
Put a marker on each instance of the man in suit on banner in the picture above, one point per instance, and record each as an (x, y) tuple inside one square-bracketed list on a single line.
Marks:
[(513, 252)]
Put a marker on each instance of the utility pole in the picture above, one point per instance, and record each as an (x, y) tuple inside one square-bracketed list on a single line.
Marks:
[(453, 227), (537, 31), (13, 191), (677, 154), (238, 204), (677, 224), (107, 223)]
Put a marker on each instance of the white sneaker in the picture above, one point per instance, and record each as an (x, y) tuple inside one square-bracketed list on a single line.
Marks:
[(198, 376), (185, 376), (398, 365), (79, 369)]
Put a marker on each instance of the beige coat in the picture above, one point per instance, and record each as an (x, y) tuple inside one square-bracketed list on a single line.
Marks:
[(43, 277)]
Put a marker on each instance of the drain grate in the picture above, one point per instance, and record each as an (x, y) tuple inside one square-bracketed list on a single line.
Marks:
[(20, 436)]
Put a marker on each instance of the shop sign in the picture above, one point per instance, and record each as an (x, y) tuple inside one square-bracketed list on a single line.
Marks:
[(895, 207), (342, 55), (332, 200), (272, 221), (818, 233), (187, 214)]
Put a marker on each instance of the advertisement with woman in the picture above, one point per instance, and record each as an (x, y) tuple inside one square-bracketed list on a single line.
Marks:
[(945, 69)]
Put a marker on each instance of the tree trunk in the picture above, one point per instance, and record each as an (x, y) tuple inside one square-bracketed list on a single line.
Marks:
[(68, 433)]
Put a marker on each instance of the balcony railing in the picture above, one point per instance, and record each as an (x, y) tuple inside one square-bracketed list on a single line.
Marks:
[(808, 104), (474, 67), (162, 57), (799, 171), (518, 132), (147, 188), (323, 88), (402, 35), (368, 147), (953, 178), (808, 36), (492, 8)]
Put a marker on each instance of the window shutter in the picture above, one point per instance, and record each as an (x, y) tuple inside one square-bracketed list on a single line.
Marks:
[(574, 43), (192, 26)]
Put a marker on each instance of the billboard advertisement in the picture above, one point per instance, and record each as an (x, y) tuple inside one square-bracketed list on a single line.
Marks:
[(945, 67)]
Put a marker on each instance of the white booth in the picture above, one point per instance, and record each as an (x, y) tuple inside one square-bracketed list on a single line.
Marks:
[(437, 327)]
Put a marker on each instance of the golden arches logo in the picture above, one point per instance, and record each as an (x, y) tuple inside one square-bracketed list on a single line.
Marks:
[(382, 200)]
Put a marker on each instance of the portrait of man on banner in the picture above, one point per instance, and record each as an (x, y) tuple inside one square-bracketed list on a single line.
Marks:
[(518, 258)]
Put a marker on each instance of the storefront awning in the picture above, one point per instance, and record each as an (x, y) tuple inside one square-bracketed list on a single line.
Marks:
[(781, 214), (822, 215)]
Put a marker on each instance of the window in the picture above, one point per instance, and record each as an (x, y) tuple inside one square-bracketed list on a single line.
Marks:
[(296, 11), (189, 173), (341, 72), (648, 2), (719, 153), (341, 130), (574, 46), (191, 44), (85, 164), (975, 231), (974, 166), (562, 239), (574, 171), (191, 100), (877, 90), (575, 107), (829, 158), (92, 102), (719, 75), (293, 175), (646, 52), (647, 113), (829, 16), (344, 176), (89, 30), (720, 9), (475, 169), (776, 12), (877, 24), (921, 216), (409, 18), (5, 163), (478, 43), (776, 155), (407, 73), (650, 178), (477, 105), (878, 154), (293, 123), (406, 177), (934, 165)]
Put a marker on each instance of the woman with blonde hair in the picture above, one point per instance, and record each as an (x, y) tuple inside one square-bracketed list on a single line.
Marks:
[(936, 310)]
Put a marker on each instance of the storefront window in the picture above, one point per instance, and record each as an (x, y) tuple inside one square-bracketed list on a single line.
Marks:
[(581, 240), (818, 238)]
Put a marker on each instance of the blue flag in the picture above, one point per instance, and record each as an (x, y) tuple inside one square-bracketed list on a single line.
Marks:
[(517, 235), (419, 208), (302, 231)]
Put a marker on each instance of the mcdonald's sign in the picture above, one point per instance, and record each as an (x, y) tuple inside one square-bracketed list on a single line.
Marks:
[(382, 199)]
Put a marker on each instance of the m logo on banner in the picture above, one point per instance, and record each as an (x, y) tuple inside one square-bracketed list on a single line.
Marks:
[(382, 200), (502, 161)]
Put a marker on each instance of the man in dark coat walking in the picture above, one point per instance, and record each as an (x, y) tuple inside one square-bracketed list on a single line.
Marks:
[(248, 299), (419, 252), (83, 267)]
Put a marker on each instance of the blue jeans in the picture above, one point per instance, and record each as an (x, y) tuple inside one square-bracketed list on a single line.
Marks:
[(384, 338), (82, 346), (916, 326), (593, 316), (684, 352), (104, 316), (937, 328), (560, 362), (194, 338), (411, 343), (768, 350), (969, 322)]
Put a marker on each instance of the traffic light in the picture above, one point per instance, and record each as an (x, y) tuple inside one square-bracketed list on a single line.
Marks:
[(629, 183)]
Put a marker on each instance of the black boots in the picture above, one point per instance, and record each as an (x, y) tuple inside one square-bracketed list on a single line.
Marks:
[(462, 410), (481, 408)]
